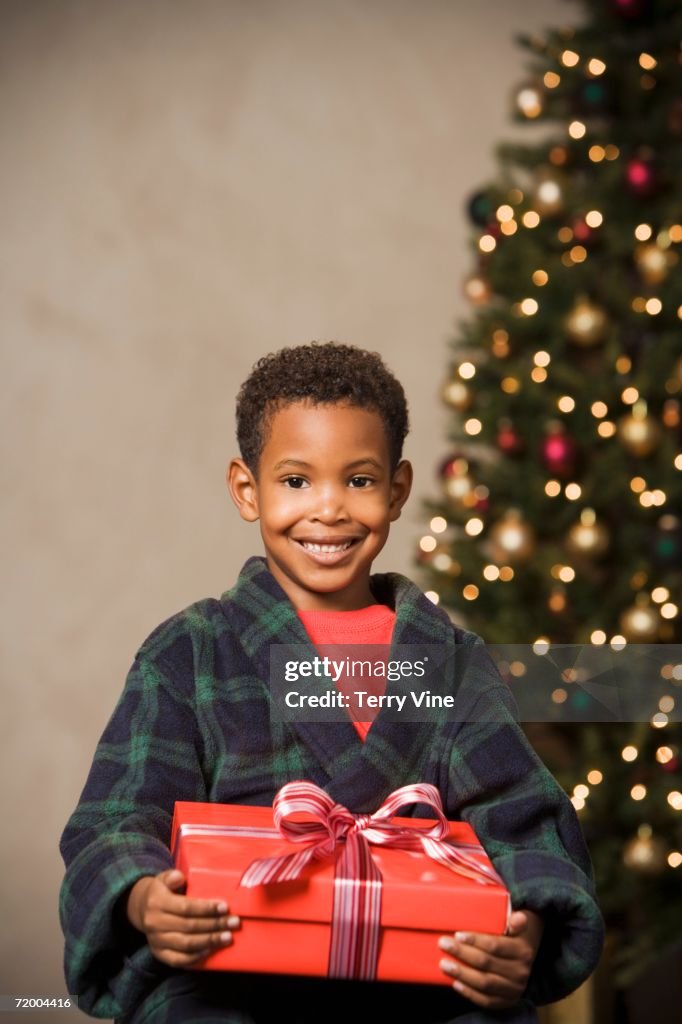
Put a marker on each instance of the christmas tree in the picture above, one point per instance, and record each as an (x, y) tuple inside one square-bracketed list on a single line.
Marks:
[(559, 519)]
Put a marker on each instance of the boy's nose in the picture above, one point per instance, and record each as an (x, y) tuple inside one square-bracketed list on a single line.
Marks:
[(330, 508)]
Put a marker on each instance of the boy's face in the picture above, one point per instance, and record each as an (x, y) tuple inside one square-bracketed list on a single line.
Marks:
[(325, 497)]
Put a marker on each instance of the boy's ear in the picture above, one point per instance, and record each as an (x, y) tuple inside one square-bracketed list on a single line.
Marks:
[(243, 490), (401, 485)]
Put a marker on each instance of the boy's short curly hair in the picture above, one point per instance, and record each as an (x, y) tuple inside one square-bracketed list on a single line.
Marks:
[(321, 374)]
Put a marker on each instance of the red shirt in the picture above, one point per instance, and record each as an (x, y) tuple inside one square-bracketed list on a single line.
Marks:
[(372, 625)]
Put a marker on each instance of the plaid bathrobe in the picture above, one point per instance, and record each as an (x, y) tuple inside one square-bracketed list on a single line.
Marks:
[(194, 722)]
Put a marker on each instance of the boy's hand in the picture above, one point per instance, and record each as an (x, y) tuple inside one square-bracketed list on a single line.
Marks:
[(179, 930), (492, 970)]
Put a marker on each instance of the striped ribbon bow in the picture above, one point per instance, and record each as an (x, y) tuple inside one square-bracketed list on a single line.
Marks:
[(356, 913)]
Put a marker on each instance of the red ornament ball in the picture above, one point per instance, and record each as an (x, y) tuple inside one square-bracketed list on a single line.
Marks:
[(631, 10), (582, 232), (508, 440), (641, 177), (559, 454)]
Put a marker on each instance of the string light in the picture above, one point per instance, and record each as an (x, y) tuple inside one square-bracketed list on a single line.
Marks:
[(594, 219), (669, 610), (630, 396), (517, 669), (566, 574), (432, 596), (638, 304), (606, 428), (491, 573), (559, 695), (623, 364), (566, 403), (541, 646), (678, 462), (598, 637), (438, 524), (581, 791), (675, 800), (487, 243), (473, 426), (504, 213), (573, 491), (675, 859), (529, 102), (470, 592), (594, 777), (653, 306), (643, 232), (599, 409), (647, 62), (569, 58), (664, 755), (510, 227), (473, 527), (552, 488), (565, 234), (540, 278), (596, 153), (629, 753), (666, 704), (612, 152), (578, 254), (510, 385), (551, 80), (638, 484), (500, 343), (506, 573), (538, 374), (638, 792), (596, 67), (660, 720), (542, 358), (675, 232), (576, 129), (530, 219), (529, 307), (467, 371), (428, 544)]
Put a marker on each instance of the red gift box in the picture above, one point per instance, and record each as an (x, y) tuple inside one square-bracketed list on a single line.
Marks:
[(286, 927)]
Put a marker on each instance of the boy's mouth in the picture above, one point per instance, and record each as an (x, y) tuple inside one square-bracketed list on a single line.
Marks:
[(327, 552)]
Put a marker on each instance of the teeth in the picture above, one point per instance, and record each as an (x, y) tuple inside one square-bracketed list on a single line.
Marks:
[(326, 548)]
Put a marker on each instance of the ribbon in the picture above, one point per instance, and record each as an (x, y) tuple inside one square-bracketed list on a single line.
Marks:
[(356, 913)]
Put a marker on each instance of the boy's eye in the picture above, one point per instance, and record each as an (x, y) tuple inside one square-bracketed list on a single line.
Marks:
[(296, 482), (360, 481)]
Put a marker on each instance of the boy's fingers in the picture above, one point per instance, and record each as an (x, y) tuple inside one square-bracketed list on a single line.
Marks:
[(486, 988), (196, 925), (173, 878), (194, 945), (518, 922), (480, 949), (183, 906)]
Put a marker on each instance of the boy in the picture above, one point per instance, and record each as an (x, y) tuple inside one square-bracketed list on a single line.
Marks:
[(320, 430)]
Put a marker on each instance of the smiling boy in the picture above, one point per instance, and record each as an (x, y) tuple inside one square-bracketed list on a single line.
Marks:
[(320, 430)]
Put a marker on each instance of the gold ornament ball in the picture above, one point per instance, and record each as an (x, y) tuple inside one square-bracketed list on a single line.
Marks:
[(458, 487), (586, 324), (640, 623), (457, 395), (512, 538), (587, 537), (645, 852), (652, 262), (639, 433)]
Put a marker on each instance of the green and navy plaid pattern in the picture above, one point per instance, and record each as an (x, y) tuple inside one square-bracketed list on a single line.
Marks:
[(194, 723)]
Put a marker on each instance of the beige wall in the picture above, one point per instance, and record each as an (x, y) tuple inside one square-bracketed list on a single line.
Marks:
[(183, 187)]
